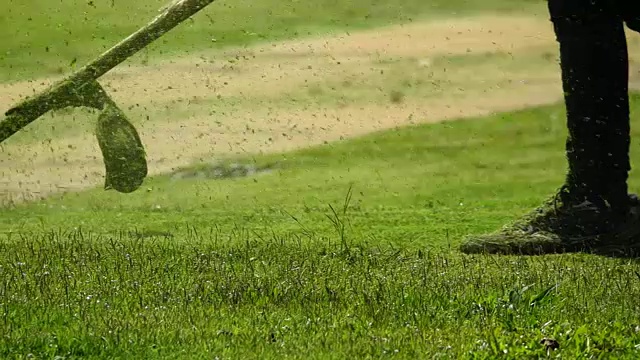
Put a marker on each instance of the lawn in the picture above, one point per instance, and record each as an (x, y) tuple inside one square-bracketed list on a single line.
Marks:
[(341, 250), (347, 250)]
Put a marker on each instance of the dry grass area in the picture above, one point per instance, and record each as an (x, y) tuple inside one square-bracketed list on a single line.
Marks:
[(287, 95)]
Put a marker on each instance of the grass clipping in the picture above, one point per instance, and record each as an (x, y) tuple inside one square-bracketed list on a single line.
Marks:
[(122, 150)]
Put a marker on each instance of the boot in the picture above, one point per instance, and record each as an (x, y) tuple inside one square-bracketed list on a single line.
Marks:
[(561, 225)]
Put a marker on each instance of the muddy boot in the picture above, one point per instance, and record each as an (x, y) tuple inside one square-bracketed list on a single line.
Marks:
[(592, 209), (563, 224)]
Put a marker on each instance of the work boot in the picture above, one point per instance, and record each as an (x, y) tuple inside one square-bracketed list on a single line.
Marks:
[(563, 224)]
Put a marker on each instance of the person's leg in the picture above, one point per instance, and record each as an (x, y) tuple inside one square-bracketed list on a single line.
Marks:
[(630, 10), (592, 206), (594, 70)]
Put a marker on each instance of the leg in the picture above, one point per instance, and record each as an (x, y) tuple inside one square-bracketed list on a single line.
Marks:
[(631, 13), (594, 68), (592, 209)]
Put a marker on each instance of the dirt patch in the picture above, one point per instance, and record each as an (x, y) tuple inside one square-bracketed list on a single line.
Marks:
[(275, 72)]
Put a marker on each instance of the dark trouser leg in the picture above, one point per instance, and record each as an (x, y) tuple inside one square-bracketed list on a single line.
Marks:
[(594, 70), (630, 10)]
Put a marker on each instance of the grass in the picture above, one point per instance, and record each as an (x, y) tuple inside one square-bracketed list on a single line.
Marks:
[(83, 297), (45, 28), (345, 251), (341, 250)]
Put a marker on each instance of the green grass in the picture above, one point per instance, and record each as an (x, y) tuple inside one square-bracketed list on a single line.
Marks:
[(287, 264), (91, 298), (345, 250), (59, 36)]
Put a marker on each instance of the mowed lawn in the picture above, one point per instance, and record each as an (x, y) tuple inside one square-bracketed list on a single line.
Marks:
[(346, 250)]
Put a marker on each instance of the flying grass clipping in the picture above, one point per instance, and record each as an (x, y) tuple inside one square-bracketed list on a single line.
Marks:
[(122, 150)]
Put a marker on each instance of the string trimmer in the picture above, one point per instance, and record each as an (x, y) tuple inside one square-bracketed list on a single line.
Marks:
[(122, 150)]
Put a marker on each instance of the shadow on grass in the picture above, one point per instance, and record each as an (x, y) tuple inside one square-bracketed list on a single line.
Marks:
[(223, 170), (629, 252)]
